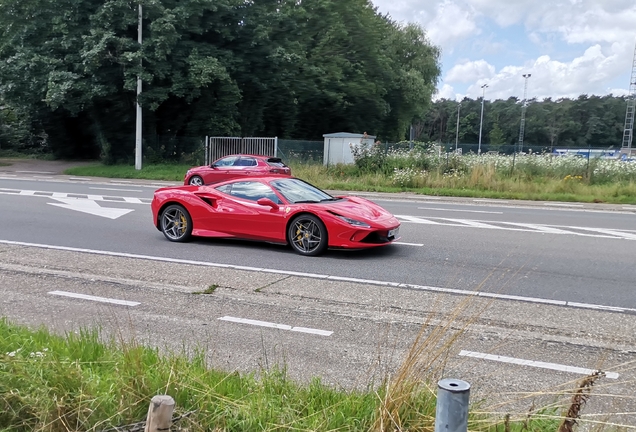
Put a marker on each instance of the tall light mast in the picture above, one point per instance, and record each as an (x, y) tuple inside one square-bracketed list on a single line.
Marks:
[(628, 132), (523, 112)]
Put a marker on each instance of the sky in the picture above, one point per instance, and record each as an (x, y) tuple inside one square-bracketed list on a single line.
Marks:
[(569, 47)]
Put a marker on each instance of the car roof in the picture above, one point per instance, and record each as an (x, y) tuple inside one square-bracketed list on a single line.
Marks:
[(250, 155)]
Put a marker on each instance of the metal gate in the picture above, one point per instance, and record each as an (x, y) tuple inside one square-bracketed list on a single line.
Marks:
[(217, 147)]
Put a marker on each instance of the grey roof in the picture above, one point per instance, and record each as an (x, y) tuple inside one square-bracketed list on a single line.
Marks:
[(346, 135)]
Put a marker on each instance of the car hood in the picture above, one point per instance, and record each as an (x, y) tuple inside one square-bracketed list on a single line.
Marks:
[(359, 209)]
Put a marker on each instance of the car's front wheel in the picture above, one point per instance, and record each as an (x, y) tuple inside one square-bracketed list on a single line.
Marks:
[(307, 235), (176, 223), (196, 181)]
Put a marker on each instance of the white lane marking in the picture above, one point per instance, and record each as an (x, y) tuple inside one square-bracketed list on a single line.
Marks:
[(8, 175), (90, 207), (79, 179), (562, 205), (612, 232), (416, 219), (535, 300), (94, 298), (115, 189), (277, 326), (537, 364), (542, 228), (491, 201), (408, 244), (36, 172), (120, 181), (42, 176), (521, 227), (76, 196), (455, 210)]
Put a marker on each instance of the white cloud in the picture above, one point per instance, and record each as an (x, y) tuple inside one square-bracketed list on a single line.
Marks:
[(570, 47), (446, 92), (446, 22), (470, 71)]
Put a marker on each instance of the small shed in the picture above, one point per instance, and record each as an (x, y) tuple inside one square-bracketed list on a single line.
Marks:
[(338, 146)]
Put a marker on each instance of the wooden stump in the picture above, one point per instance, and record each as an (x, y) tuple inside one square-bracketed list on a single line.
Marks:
[(160, 414)]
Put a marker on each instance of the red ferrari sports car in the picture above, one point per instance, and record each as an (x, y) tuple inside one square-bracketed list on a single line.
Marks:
[(274, 209), (234, 166)]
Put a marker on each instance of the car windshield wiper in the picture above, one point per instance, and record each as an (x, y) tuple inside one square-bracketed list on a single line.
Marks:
[(330, 199), (306, 201)]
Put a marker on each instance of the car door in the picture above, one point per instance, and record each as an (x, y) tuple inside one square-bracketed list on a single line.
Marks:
[(218, 171), (243, 167), (246, 218)]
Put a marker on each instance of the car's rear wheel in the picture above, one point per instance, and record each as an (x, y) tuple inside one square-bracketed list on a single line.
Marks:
[(196, 181), (176, 223), (307, 235)]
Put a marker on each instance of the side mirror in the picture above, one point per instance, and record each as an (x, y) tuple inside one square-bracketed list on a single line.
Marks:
[(267, 202)]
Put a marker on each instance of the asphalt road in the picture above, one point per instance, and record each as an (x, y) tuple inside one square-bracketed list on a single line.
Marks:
[(305, 313), (545, 252)]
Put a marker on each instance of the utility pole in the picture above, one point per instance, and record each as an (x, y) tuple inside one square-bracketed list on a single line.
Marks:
[(481, 120), (523, 112), (138, 126), (459, 105)]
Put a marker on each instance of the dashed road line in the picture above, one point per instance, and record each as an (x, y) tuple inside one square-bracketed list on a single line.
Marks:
[(562, 205), (276, 326), (457, 210), (408, 244), (537, 364), (94, 298), (116, 189), (536, 300)]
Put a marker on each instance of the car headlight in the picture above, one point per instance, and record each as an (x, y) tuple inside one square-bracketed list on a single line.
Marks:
[(354, 222)]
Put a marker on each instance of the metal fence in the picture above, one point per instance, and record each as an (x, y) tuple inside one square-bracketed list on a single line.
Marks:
[(217, 147)]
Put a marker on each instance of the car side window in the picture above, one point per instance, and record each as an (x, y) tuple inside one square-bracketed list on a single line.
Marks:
[(226, 161), (253, 191), (245, 161), (225, 188)]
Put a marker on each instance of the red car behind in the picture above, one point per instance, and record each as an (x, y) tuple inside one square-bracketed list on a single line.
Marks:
[(234, 166)]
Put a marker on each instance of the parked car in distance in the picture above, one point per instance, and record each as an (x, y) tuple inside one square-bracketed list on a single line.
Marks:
[(233, 166), (275, 209)]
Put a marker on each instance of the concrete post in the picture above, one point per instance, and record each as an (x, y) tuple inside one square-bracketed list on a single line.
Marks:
[(160, 414), (452, 406)]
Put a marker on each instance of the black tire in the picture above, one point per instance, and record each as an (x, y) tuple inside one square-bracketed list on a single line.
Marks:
[(307, 235), (175, 223), (196, 181)]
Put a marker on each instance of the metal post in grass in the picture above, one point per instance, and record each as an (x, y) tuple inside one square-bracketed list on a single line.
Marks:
[(451, 414), (160, 414)]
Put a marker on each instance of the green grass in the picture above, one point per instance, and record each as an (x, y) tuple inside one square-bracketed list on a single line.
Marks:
[(77, 382), (480, 183), (168, 172)]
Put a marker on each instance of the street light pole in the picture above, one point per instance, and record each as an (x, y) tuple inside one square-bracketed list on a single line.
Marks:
[(459, 105), (523, 112), (139, 113), (481, 120)]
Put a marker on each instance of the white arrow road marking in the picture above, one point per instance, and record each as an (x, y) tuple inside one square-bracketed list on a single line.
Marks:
[(277, 326), (94, 298), (539, 364), (90, 207)]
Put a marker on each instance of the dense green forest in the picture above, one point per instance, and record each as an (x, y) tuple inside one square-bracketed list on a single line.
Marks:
[(588, 121), (286, 68)]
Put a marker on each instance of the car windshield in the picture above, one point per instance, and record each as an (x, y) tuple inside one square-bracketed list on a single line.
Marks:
[(297, 191)]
